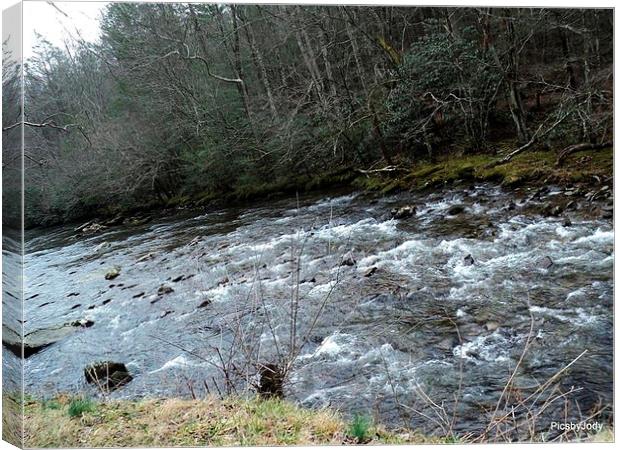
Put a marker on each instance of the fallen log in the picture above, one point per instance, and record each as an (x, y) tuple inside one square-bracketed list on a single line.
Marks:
[(386, 169), (562, 155)]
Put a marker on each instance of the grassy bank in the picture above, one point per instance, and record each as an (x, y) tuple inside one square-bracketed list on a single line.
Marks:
[(66, 422), (529, 168), (75, 422)]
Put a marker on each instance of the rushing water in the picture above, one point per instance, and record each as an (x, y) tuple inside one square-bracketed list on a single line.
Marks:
[(413, 325)]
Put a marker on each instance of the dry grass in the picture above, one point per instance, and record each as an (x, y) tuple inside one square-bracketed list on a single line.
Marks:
[(11, 420), (175, 422)]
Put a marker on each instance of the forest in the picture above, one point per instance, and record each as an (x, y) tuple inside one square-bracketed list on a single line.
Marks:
[(206, 101)]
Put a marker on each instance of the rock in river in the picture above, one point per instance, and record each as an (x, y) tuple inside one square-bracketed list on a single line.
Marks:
[(107, 375), (468, 260), (455, 210), (370, 272), (37, 340), (545, 263), (348, 260), (404, 212), (113, 273), (164, 289)]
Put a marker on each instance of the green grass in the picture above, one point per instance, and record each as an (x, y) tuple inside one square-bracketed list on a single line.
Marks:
[(196, 423), (360, 428), (79, 406)]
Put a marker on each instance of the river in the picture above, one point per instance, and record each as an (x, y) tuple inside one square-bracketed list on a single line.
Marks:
[(417, 322)]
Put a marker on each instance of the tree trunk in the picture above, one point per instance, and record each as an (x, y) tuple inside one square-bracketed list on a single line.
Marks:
[(260, 66)]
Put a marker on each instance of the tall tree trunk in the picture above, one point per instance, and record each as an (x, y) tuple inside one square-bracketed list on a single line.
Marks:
[(355, 50), (328, 67), (510, 71), (309, 58), (260, 65)]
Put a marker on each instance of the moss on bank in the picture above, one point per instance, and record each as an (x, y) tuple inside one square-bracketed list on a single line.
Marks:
[(527, 168), (209, 422)]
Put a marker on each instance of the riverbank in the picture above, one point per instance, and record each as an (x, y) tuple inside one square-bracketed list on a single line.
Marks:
[(589, 168), (67, 422), (532, 169)]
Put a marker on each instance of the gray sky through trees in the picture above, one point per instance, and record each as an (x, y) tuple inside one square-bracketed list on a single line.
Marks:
[(56, 24)]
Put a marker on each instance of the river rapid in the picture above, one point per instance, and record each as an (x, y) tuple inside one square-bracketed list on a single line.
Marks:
[(417, 322)]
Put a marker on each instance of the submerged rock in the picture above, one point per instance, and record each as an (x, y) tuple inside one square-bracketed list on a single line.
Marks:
[(545, 262), (165, 313), (194, 241), (107, 375), (145, 257), (104, 245)]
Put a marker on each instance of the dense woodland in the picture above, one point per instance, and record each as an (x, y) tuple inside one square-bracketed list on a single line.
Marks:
[(180, 99)]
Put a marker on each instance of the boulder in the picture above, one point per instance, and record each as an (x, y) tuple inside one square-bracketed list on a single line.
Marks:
[(164, 289), (84, 323), (205, 303), (113, 273), (348, 260), (370, 272), (553, 210), (404, 212), (310, 280), (468, 260), (491, 326), (455, 210), (107, 375)]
